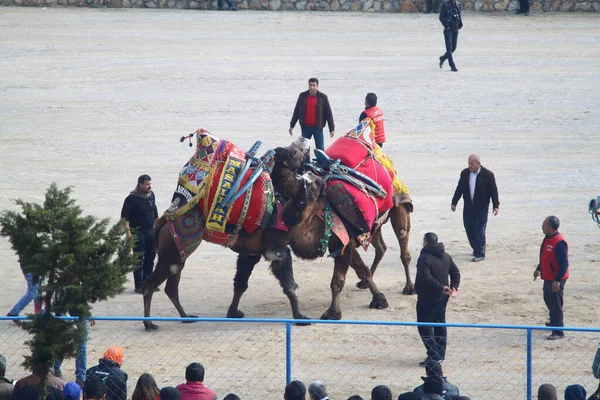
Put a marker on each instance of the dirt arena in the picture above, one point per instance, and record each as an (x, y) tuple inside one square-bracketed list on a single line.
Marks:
[(94, 97)]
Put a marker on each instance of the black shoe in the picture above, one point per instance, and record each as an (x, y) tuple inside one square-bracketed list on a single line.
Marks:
[(427, 12), (139, 290), (519, 12), (476, 258), (547, 323), (16, 321), (424, 362), (232, 8), (441, 62), (555, 336), (526, 13), (454, 69), (221, 8)]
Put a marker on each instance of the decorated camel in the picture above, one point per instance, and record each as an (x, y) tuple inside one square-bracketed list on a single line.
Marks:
[(225, 196), (362, 194)]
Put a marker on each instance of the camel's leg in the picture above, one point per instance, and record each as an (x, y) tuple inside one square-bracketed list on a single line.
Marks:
[(340, 269), (245, 266), (380, 249), (400, 217), (282, 268), (159, 275), (379, 301), (172, 290)]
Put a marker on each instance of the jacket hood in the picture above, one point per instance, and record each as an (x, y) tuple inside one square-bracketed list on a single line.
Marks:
[(435, 249)]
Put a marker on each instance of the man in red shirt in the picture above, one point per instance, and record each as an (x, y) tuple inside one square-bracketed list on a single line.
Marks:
[(376, 115), (313, 111), (194, 388)]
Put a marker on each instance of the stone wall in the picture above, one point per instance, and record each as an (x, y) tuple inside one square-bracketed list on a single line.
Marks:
[(318, 5)]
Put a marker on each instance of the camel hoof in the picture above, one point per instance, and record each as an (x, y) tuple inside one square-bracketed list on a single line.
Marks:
[(332, 315), (379, 302), (300, 317), (150, 327), (189, 316), (362, 285), (409, 290), (235, 314)]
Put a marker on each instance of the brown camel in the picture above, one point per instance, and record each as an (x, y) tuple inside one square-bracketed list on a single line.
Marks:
[(399, 216), (269, 243)]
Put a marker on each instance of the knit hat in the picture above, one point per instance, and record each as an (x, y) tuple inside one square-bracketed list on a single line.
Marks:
[(575, 392), (71, 391), (169, 393), (434, 385), (115, 354), (317, 389)]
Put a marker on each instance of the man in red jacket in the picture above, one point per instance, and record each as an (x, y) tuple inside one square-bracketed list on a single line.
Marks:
[(194, 388), (376, 115), (554, 269)]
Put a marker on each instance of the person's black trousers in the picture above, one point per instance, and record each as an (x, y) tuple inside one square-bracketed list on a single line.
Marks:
[(451, 38), (554, 302), (146, 247), (524, 6), (432, 6), (434, 338), (475, 222)]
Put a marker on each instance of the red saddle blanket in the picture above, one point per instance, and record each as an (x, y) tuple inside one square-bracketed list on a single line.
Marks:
[(358, 207)]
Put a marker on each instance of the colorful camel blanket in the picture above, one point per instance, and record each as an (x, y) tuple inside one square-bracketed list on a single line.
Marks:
[(357, 150), (197, 213)]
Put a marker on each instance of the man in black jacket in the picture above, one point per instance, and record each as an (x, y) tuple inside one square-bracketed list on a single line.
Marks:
[(451, 19), (433, 290), (477, 185), (313, 111), (110, 372)]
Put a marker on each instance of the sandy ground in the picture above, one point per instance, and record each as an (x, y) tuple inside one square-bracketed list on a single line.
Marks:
[(93, 98)]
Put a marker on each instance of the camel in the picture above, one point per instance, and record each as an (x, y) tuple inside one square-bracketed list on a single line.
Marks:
[(269, 243)]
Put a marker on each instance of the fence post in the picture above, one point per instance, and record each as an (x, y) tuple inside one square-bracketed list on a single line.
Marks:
[(529, 363), (288, 352)]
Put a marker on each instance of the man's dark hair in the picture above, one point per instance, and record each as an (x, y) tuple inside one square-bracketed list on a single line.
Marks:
[(547, 391), (144, 178), (355, 397), (553, 222), (371, 99), (295, 390), (93, 388), (430, 238), (381, 392), (315, 80), (194, 372), (231, 396), (410, 396)]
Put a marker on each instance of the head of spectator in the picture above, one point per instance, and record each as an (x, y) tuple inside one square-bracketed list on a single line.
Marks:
[(371, 100), (432, 367), (550, 225), (313, 86), (194, 372), (114, 354), (381, 392), (169, 393), (575, 392), (430, 239), (410, 396), (317, 390), (295, 390), (71, 391), (474, 163), (2, 366), (145, 183), (355, 397), (94, 388), (231, 396), (547, 392), (146, 388), (434, 385)]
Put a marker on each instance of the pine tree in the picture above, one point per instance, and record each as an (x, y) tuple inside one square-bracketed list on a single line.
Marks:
[(78, 261)]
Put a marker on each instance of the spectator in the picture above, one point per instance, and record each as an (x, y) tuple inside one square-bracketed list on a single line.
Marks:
[(6, 386), (376, 115), (295, 390), (547, 392), (433, 367), (28, 388), (575, 392), (146, 389), (194, 388), (169, 393), (109, 370), (554, 269), (523, 7), (433, 290), (94, 388), (433, 388), (410, 396), (72, 391), (596, 372), (313, 111), (451, 20), (231, 396), (381, 392), (477, 185), (230, 5), (355, 397), (140, 212), (317, 391), (33, 283)]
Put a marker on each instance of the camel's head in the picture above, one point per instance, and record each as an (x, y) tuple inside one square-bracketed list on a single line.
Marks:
[(314, 186), (292, 157)]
